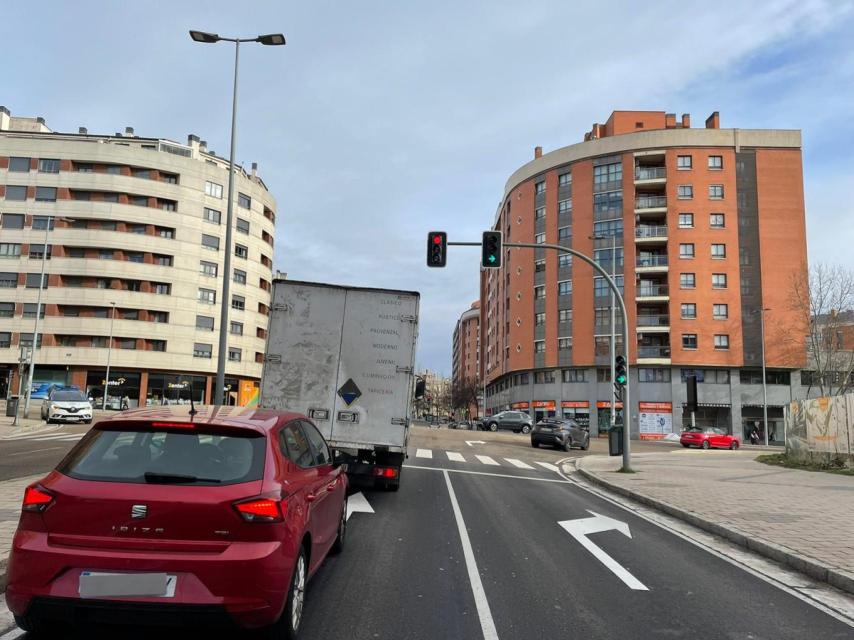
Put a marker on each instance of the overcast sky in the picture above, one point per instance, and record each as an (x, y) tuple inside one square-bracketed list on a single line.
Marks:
[(381, 120)]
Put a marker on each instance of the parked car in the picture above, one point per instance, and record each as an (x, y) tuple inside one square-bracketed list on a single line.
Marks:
[(157, 516), (40, 390), (709, 437), (561, 433), (515, 421), (66, 404)]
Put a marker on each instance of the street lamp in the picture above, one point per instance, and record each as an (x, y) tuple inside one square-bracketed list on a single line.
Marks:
[(761, 313), (273, 39), (613, 328), (109, 353)]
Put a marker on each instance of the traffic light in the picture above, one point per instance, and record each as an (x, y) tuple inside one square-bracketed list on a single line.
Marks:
[(491, 249), (691, 405), (437, 248), (620, 376), (419, 388)]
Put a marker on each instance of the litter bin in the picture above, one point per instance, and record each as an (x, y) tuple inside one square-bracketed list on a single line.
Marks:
[(11, 406), (615, 441)]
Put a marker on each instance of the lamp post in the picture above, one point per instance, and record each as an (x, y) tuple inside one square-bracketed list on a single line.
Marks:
[(764, 379), (273, 39), (613, 326), (109, 353)]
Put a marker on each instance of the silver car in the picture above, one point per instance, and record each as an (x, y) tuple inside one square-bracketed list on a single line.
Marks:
[(66, 405)]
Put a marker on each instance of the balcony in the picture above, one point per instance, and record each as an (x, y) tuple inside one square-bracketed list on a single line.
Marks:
[(647, 234), (650, 175), (653, 323), (651, 263), (652, 293), (650, 204), (659, 354)]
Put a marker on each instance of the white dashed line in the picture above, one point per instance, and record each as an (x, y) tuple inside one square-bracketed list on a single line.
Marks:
[(456, 457), (518, 463), (487, 460), (424, 453)]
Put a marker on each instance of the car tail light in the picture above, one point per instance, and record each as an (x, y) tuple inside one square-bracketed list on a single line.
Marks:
[(385, 472), (172, 425), (261, 509), (36, 499)]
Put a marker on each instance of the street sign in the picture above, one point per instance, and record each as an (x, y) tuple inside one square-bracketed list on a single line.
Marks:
[(349, 392)]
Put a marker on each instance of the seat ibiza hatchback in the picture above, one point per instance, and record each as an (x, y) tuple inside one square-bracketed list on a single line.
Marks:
[(164, 518)]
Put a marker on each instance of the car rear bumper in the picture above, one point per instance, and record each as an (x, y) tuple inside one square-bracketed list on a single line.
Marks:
[(245, 584), (548, 438)]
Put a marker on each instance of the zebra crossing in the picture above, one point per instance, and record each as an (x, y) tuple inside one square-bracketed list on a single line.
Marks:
[(456, 456), (50, 436)]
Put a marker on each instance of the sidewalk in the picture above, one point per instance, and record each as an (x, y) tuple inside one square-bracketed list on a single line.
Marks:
[(800, 518)]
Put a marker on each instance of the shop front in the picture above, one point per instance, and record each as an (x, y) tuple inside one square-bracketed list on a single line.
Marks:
[(752, 418), (603, 416), (169, 388), (544, 409), (122, 390), (520, 406), (655, 420), (578, 410)]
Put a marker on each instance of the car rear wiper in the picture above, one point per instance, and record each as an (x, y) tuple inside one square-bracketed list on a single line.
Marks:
[(154, 478)]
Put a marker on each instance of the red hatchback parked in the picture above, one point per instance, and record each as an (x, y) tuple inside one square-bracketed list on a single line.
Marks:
[(162, 517), (709, 438)]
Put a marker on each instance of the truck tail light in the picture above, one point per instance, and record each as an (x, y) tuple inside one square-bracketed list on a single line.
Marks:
[(36, 499), (385, 472), (261, 509)]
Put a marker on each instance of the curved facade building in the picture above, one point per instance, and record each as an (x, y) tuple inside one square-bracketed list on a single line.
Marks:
[(709, 229), (466, 351), (135, 231)]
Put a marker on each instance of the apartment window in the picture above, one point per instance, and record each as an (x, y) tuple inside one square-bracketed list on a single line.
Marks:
[(210, 242), (30, 310), (37, 252), (573, 375), (211, 215), (5, 339), (19, 165), (601, 288), (721, 342), (130, 314), (564, 206), (208, 268), (235, 328), (105, 254), (564, 261), (608, 228), (564, 344), (605, 173), (539, 319), (686, 220), (99, 342), (114, 169), (41, 223), (716, 162), (544, 377), (720, 311), (242, 226), (10, 250), (139, 229), (126, 343), (84, 167), (238, 303), (108, 225), (689, 340), (162, 288), (157, 345), (646, 374), (239, 276), (67, 341), (564, 180), (244, 201), (719, 251), (564, 315), (608, 202), (144, 174), (716, 191), (48, 165), (564, 288), (540, 238), (163, 261), (686, 250), (564, 233), (169, 178), (13, 221), (687, 280), (201, 350), (207, 296), (160, 317), (241, 251), (689, 311), (685, 191), (112, 197), (7, 309), (16, 192), (213, 189), (206, 323), (8, 280), (539, 213), (27, 340), (684, 162), (539, 346), (33, 280), (130, 285), (234, 354), (540, 187), (719, 281), (539, 266), (45, 194), (603, 375), (163, 232)]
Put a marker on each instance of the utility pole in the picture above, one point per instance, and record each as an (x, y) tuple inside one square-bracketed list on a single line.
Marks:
[(109, 353)]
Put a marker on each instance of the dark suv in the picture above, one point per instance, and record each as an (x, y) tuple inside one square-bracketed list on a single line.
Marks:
[(560, 433), (515, 421)]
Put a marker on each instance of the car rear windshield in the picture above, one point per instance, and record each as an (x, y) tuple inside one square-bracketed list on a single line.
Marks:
[(166, 457), (69, 396)]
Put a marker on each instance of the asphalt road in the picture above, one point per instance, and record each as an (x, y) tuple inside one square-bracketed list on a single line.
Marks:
[(38, 452), (474, 549)]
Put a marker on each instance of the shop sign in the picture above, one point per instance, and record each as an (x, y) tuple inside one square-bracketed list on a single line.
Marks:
[(544, 404), (655, 420), (604, 404), (520, 405), (117, 382), (575, 404)]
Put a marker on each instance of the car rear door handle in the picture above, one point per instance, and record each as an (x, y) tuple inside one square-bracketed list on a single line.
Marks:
[(310, 497)]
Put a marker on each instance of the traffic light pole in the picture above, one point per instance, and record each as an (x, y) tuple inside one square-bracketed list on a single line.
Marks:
[(627, 405)]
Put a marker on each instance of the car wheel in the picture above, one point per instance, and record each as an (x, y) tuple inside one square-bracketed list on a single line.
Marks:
[(37, 626), (567, 446), (706, 444), (685, 445), (88, 421), (287, 627), (536, 445), (586, 445), (338, 545), (526, 429), (493, 427), (733, 445)]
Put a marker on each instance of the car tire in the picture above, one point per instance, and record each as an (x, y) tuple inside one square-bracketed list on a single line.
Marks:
[(341, 537), (586, 445), (493, 427), (567, 446), (287, 626), (88, 421), (536, 445), (38, 626), (705, 444), (685, 445), (733, 445), (526, 429)]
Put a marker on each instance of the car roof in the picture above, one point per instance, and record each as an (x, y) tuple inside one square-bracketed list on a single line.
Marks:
[(255, 418)]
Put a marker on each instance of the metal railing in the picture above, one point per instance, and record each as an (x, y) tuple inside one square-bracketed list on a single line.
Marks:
[(654, 352), (654, 320), (652, 261), (651, 290), (650, 231), (650, 202), (650, 173)]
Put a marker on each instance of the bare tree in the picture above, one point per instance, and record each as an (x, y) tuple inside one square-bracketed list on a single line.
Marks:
[(465, 394), (826, 298)]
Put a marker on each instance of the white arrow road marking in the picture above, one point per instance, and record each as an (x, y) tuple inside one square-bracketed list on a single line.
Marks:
[(488, 460), (548, 466), (357, 503), (518, 463), (423, 453), (583, 527), (456, 457), (471, 443)]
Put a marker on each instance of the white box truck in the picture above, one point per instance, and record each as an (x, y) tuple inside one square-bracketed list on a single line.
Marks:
[(345, 357)]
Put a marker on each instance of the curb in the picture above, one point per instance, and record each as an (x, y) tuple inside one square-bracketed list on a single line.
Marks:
[(814, 569)]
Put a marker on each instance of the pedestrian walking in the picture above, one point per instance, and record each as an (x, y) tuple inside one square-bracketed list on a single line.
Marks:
[(754, 436)]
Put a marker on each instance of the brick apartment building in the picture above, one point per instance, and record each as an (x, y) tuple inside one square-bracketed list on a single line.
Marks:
[(466, 350), (710, 229)]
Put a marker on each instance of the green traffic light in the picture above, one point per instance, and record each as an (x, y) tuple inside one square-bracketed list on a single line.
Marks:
[(621, 380), (492, 258)]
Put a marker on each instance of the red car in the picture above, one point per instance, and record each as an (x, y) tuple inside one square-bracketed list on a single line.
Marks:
[(709, 438), (162, 517)]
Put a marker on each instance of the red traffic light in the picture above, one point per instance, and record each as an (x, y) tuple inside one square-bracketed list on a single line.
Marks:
[(437, 248), (437, 239)]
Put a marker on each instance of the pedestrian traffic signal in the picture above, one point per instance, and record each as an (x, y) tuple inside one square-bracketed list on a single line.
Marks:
[(491, 249), (437, 248), (620, 373)]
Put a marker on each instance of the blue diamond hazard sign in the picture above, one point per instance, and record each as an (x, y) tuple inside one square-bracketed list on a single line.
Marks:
[(349, 392)]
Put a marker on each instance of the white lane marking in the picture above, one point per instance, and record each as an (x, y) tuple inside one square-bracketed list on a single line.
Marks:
[(548, 465), (424, 453), (580, 528), (45, 438), (471, 443), (29, 451), (488, 460), (486, 473), (15, 633), (454, 456), (487, 624), (518, 463), (357, 503)]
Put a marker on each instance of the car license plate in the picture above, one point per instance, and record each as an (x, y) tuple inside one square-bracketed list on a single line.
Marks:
[(100, 585), (546, 429)]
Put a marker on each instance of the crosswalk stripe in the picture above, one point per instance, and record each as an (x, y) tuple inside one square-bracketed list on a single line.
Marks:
[(62, 436), (488, 460), (548, 466), (456, 457), (424, 453), (518, 463)]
